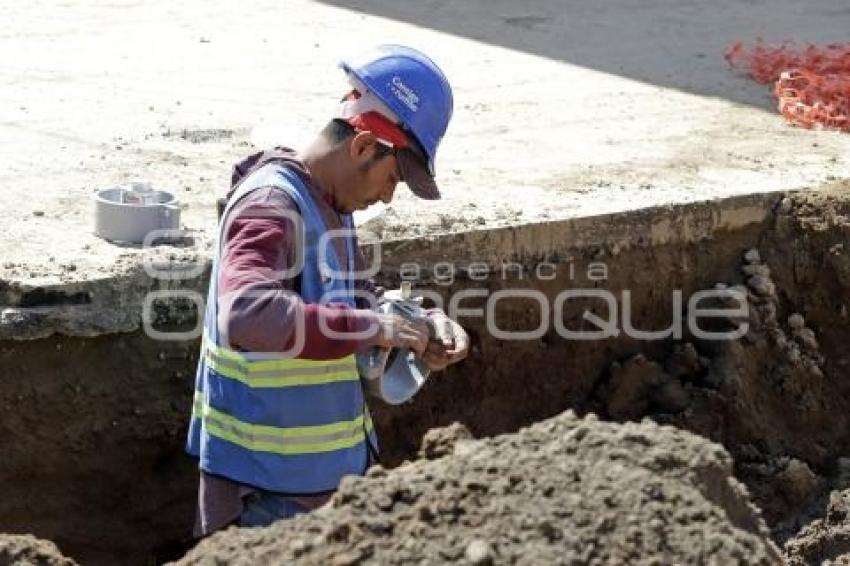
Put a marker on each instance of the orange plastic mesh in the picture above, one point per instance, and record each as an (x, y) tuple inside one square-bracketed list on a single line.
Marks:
[(811, 84)]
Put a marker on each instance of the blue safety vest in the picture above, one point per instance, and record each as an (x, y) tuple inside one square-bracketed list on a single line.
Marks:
[(286, 425)]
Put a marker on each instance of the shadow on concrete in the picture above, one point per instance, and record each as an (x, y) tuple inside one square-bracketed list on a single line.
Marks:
[(670, 43)]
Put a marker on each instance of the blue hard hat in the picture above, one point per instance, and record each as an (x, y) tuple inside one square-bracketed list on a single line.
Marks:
[(413, 87)]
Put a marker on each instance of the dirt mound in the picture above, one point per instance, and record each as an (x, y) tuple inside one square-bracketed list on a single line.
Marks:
[(26, 550), (566, 490)]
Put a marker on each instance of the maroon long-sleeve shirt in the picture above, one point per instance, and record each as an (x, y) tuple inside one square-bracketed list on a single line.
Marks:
[(257, 309)]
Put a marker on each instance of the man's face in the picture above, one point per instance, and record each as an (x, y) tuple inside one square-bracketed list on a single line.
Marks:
[(375, 178)]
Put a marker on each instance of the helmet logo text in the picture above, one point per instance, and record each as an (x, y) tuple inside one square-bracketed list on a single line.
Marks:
[(405, 94)]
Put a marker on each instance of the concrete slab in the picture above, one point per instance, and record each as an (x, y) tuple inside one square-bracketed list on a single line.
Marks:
[(563, 109)]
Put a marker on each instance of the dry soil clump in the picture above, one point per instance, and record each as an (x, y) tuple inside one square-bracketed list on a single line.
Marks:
[(26, 550), (826, 540), (564, 491)]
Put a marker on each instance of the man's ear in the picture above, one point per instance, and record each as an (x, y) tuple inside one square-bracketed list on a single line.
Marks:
[(362, 146)]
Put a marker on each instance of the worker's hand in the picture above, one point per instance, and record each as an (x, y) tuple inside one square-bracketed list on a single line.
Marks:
[(395, 331), (449, 345)]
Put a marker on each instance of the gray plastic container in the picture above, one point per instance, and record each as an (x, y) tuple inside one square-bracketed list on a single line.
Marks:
[(130, 215)]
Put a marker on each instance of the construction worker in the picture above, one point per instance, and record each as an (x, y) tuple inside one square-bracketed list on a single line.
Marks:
[(275, 434)]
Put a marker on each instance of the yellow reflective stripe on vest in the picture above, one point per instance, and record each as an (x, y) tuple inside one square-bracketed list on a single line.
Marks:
[(283, 372), (278, 440)]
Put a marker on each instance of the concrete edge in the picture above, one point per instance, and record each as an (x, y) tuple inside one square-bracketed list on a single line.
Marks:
[(615, 233), (116, 304)]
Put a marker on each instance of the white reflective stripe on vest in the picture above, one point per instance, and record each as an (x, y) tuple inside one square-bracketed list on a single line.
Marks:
[(279, 440)]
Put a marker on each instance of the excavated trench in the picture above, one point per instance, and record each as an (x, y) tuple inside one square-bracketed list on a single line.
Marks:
[(92, 428)]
